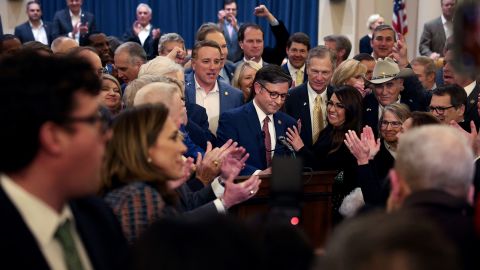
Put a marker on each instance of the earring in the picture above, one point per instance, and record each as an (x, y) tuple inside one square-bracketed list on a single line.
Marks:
[(149, 160)]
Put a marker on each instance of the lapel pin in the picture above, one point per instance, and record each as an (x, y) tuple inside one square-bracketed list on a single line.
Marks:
[(472, 101), (279, 122), (305, 104), (368, 109), (226, 93)]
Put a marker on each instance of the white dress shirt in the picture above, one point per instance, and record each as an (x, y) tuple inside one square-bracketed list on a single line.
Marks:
[(271, 127), (39, 33), (311, 101), (469, 88), (447, 27), (144, 33), (43, 222), (76, 19), (211, 102)]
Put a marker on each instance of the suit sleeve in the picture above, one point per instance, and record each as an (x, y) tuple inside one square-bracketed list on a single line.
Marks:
[(191, 200), (276, 54), (425, 41), (56, 27), (226, 129), (375, 191)]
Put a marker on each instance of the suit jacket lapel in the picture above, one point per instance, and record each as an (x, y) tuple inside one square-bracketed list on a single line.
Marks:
[(256, 130), (190, 88), (472, 99), (305, 113)]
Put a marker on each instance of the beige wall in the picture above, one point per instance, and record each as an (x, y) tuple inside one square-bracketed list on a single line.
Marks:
[(13, 14)]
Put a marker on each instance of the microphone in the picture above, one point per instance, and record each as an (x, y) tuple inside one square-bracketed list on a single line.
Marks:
[(284, 142)]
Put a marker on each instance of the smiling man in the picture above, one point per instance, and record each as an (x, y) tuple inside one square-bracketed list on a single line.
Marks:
[(448, 104), (298, 46), (203, 86), (257, 125), (73, 22), (383, 41)]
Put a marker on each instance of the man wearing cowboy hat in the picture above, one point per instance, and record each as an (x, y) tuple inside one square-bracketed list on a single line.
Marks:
[(387, 86)]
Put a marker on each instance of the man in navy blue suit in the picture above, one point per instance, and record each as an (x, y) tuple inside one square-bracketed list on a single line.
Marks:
[(257, 125), (301, 102), (35, 28), (49, 166), (298, 46), (203, 86), (73, 22)]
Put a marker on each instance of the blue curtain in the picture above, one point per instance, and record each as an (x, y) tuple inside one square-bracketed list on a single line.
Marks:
[(114, 17)]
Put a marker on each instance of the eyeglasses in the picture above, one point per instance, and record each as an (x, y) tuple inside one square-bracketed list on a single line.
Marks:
[(92, 120), (335, 105), (274, 95), (393, 124), (439, 109)]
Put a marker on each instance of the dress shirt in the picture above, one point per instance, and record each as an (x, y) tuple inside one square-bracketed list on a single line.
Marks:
[(380, 107), (293, 71), (75, 20), (447, 27), (271, 128), (469, 88), (311, 101), (229, 28), (223, 76), (211, 102), (259, 62), (43, 222), (39, 33), (144, 33)]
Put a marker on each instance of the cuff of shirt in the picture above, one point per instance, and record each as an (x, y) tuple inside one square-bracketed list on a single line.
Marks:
[(274, 23), (218, 189), (220, 207)]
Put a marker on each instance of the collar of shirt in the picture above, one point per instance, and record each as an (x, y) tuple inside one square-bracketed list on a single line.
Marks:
[(72, 16), (41, 219), (259, 62), (202, 90), (390, 149), (261, 114), (33, 27), (469, 88), (147, 28), (312, 94), (380, 107), (444, 20), (293, 70)]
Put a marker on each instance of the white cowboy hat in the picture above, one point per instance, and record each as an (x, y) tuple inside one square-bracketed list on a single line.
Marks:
[(386, 70)]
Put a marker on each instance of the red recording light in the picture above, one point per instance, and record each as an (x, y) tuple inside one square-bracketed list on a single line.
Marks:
[(294, 221)]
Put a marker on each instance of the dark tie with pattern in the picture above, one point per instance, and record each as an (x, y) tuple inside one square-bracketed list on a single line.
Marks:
[(70, 253), (268, 142)]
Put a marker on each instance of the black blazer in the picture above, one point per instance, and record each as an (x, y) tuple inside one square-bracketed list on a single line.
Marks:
[(276, 54), (197, 126), (150, 45), (98, 228), (471, 111), (297, 106), (25, 34), (365, 45), (62, 24)]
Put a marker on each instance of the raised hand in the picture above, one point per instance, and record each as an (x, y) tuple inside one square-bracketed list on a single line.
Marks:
[(357, 147), (400, 53), (369, 138)]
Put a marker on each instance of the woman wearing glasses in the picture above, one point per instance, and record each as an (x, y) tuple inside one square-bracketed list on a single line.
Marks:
[(328, 152)]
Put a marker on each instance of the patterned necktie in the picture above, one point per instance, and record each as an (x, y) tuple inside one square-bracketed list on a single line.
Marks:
[(317, 118), (299, 78), (70, 253), (268, 142)]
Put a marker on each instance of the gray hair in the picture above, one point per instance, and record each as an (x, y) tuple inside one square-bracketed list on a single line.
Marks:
[(134, 86), (372, 19), (144, 5), (160, 65), (135, 51), (322, 51), (436, 157), (157, 92), (169, 37)]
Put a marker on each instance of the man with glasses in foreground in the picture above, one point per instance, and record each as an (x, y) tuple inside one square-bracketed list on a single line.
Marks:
[(53, 142), (258, 124), (448, 104)]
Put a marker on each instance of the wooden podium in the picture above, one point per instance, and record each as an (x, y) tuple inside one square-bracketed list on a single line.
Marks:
[(316, 214)]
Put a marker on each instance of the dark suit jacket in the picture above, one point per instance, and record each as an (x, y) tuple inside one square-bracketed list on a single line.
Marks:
[(99, 230), (297, 106), (365, 45), (150, 45), (471, 112), (285, 68), (234, 51), (62, 24), (433, 38), (242, 125), (197, 126), (229, 97), (25, 34)]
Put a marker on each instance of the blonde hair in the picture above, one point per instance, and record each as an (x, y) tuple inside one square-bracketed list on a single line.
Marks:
[(135, 85), (240, 70), (347, 69)]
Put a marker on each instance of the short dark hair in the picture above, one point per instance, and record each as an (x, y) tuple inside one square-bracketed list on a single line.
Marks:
[(36, 46), (427, 62), (341, 42), (299, 37), (243, 28), (382, 27), (204, 43), (7, 37), (33, 2), (270, 74), (364, 57), (423, 118), (206, 29), (458, 96), (75, 52), (228, 2), (37, 89)]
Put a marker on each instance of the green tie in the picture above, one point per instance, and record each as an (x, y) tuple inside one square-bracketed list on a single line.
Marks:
[(71, 256)]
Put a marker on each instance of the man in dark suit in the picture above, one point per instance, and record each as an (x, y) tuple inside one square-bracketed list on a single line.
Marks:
[(50, 165), (436, 31), (34, 28), (143, 31), (448, 104), (203, 86), (302, 99), (227, 21), (73, 22), (250, 39), (257, 125), (298, 46)]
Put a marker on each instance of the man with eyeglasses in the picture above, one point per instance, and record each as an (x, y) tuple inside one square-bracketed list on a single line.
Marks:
[(53, 142), (203, 87), (259, 124), (448, 104), (307, 103)]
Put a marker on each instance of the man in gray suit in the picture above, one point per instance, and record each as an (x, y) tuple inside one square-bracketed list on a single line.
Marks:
[(436, 32)]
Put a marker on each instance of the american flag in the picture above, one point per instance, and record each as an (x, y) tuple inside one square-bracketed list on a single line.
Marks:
[(399, 20)]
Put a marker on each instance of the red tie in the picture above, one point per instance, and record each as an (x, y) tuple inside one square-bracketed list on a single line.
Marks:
[(268, 142)]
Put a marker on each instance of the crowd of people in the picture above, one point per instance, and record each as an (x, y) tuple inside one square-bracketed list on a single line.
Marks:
[(121, 153)]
